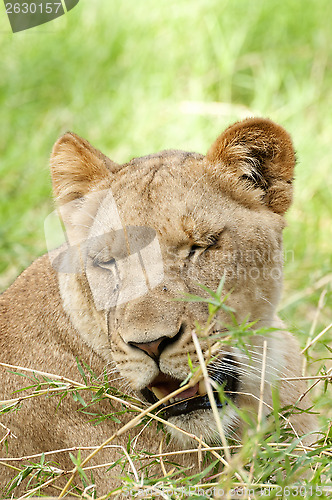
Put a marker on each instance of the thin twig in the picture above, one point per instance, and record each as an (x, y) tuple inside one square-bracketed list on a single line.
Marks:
[(328, 375), (132, 423), (129, 425), (161, 457), (260, 409), (313, 326), (261, 390), (325, 280), (44, 374), (324, 444), (8, 430), (211, 397), (34, 490), (309, 377), (316, 338)]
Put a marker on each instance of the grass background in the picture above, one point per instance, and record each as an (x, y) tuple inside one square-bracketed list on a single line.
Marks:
[(136, 77)]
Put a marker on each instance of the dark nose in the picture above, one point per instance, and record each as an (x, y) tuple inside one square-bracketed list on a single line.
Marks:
[(153, 349)]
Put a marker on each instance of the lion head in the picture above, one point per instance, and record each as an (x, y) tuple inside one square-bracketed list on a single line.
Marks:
[(143, 233)]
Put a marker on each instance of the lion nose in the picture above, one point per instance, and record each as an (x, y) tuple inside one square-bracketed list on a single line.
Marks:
[(156, 347), (153, 349)]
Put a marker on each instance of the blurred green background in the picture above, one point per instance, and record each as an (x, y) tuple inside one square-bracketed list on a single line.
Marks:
[(136, 77)]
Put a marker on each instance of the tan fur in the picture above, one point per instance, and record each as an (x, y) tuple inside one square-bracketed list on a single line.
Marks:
[(229, 204)]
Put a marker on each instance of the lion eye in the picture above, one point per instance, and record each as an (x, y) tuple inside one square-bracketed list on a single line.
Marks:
[(193, 250), (105, 264), (200, 249)]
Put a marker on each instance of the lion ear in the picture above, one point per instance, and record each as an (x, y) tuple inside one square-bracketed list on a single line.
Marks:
[(77, 168), (257, 156)]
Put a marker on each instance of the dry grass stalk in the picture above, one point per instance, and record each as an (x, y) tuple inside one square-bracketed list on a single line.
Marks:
[(260, 408)]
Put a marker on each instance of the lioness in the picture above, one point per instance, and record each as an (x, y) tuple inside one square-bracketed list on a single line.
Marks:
[(139, 235)]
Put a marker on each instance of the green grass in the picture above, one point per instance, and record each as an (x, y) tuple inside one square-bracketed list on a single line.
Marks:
[(270, 462), (118, 72)]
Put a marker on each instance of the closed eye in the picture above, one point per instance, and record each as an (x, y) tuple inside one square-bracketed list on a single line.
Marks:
[(200, 249), (193, 250), (105, 264)]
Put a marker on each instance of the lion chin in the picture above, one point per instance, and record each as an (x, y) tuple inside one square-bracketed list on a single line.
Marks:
[(190, 410)]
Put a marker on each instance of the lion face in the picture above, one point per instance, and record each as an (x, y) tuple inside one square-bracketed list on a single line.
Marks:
[(147, 232)]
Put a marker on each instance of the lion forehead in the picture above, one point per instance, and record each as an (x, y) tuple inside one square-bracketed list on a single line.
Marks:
[(155, 175)]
